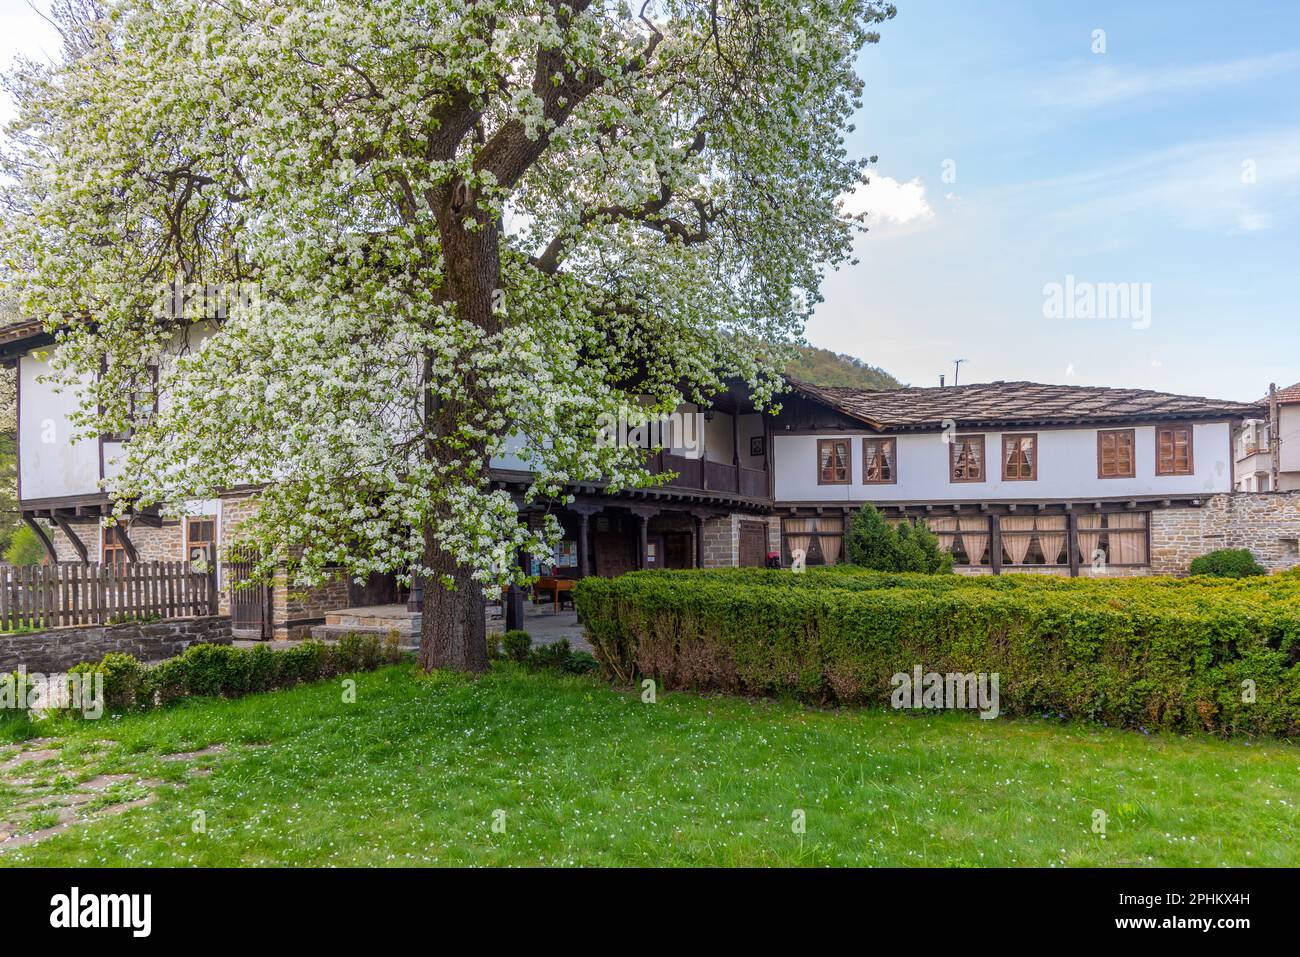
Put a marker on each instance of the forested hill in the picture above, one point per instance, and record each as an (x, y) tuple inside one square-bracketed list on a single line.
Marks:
[(823, 367)]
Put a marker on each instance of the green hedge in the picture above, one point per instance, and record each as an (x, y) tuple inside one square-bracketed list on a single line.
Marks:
[(1153, 653), (230, 672)]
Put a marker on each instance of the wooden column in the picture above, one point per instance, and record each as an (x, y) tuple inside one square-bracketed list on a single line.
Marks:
[(514, 600), (584, 537), (643, 536), (995, 544), (1072, 541), (699, 539)]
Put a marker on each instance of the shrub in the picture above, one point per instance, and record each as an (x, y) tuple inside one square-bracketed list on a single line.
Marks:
[(560, 656), (24, 548), (1160, 653), (1227, 563), (517, 644), (226, 671), (554, 656), (872, 542), (493, 646)]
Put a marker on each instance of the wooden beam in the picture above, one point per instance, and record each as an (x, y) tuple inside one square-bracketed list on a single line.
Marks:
[(127, 545), (45, 539), (78, 545)]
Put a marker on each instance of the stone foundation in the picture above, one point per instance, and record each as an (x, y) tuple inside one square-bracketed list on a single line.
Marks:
[(58, 649)]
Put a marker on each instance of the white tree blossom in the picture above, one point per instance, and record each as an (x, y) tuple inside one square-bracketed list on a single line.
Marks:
[(670, 173)]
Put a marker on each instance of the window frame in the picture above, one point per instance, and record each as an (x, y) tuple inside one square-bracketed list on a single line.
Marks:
[(112, 547), (133, 404), (847, 459), (211, 543), (1033, 465), (983, 456), (892, 442), (1132, 438), (1191, 449)]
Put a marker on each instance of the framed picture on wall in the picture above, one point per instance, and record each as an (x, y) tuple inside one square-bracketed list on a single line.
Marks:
[(755, 445)]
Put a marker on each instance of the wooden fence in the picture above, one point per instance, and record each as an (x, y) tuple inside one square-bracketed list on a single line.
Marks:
[(49, 596)]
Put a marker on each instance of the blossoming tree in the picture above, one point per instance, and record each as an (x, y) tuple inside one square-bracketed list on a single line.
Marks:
[(465, 223)]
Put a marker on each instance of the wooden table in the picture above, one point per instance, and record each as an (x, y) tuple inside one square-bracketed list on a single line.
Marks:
[(556, 586)]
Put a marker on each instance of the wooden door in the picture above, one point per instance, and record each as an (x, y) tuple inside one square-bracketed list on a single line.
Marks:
[(250, 605), (753, 544)]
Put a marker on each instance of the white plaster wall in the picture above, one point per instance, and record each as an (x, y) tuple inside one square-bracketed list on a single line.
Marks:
[(1067, 468), (51, 464), (718, 439), (750, 426), (1289, 421)]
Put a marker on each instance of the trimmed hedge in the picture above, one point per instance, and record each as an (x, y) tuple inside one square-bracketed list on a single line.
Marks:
[(229, 672), (1163, 653)]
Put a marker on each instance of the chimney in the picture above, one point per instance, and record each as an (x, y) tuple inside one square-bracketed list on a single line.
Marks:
[(940, 380)]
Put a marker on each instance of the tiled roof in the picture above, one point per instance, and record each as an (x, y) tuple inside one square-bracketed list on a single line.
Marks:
[(1288, 395), (1017, 403)]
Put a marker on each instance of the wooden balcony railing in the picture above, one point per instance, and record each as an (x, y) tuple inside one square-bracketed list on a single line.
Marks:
[(710, 476)]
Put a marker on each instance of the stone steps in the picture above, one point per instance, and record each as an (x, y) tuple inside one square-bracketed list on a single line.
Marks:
[(335, 632)]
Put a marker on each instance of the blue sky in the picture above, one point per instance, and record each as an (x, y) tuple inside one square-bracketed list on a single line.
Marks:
[(1117, 167), (1171, 159)]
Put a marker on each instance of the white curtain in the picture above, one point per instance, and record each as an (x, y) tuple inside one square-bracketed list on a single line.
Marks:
[(946, 531), (1051, 536), (1089, 539), (1016, 544), (1128, 547), (799, 533), (830, 543), (974, 537)]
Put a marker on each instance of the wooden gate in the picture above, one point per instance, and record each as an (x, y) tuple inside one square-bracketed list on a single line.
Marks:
[(250, 602)]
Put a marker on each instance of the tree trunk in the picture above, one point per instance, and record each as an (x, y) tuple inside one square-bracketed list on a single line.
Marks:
[(453, 625), (453, 629)]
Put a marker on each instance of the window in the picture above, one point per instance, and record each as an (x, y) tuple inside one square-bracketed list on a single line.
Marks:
[(141, 406), (200, 535), (966, 459), (1174, 450), (833, 462), (1115, 457), (878, 461), (820, 539), (1113, 538), (1019, 458), (114, 548)]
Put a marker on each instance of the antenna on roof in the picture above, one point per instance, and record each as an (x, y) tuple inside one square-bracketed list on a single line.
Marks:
[(956, 369)]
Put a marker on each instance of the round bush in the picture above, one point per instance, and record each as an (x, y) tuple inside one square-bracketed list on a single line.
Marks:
[(1228, 563)]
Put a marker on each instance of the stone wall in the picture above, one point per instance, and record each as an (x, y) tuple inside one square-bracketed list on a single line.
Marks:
[(1267, 523), (58, 649), (162, 544), (722, 541), (296, 608)]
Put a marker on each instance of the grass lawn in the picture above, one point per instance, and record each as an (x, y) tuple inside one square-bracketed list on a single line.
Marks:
[(416, 769)]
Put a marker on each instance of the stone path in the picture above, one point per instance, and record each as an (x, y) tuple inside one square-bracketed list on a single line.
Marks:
[(41, 796)]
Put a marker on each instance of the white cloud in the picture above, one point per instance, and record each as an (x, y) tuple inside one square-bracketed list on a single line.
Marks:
[(886, 200), (1103, 84)]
